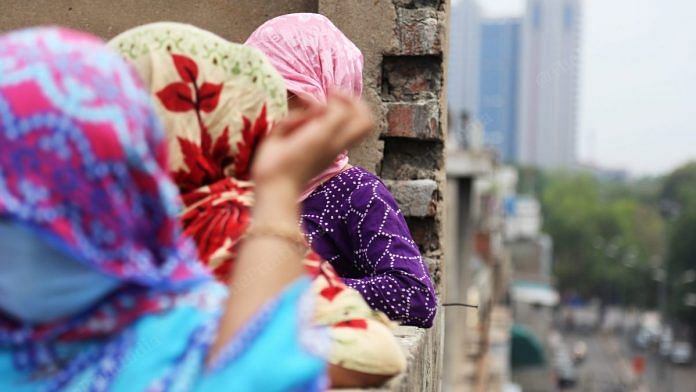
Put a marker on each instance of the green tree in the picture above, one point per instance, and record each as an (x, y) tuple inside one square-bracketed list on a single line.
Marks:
[(678, 200), (680, 186), (604, 238), (681, 260)]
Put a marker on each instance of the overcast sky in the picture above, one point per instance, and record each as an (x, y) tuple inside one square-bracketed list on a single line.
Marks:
[(637, 82)]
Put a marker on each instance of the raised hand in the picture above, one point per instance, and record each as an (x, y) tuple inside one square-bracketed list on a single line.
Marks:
[(303, 144)]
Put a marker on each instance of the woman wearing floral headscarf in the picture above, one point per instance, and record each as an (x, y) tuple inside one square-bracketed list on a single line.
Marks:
[(349, 216), (218, 100), (86, 201)]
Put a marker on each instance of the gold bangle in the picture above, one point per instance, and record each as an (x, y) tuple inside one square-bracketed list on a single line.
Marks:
[(288, 234)]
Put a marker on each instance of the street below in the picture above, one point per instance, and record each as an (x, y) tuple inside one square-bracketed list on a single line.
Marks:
[(608, 367)]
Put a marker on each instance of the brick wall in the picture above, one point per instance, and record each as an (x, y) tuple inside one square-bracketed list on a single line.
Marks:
[(403, 41)]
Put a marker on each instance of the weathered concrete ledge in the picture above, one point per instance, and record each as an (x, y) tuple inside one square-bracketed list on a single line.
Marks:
[(416, 198)]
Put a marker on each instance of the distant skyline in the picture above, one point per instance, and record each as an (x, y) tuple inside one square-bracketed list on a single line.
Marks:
[(637, 82), (548, 101), (499, 88)]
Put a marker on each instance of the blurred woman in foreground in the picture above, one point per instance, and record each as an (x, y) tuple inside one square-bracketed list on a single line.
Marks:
[(99, 290)]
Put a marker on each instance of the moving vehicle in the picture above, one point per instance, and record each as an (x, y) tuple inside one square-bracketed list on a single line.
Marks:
[(681, 353), (666, 342), (564, 368)]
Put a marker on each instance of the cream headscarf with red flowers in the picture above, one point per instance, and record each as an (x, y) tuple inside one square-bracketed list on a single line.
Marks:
[(217, 101)]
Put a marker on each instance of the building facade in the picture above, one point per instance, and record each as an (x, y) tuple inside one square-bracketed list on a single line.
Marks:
[(482, 87), (549, 83), (463, 80), (498, 89)]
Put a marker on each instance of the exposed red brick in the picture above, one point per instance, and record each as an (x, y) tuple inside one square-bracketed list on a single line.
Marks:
[(419, 31), (410, 78), (419, 120)]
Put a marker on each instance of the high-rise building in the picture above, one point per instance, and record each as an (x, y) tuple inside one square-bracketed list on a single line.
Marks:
[(463, 74), (548, 83), (499, 87)]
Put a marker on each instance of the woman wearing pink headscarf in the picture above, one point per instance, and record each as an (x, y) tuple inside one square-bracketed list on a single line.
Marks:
[(349, 216)]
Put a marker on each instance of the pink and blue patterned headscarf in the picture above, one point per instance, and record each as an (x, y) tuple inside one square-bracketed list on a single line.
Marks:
[(82, 164)]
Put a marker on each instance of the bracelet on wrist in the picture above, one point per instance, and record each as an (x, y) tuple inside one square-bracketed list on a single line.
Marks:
[(289, 234)]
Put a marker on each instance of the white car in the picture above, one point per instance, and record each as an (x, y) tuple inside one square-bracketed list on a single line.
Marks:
[(644, 338), (665, 347), (681, 353)]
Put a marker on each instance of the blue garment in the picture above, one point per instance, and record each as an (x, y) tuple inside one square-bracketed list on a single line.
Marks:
[(39, 283), (167, 351)]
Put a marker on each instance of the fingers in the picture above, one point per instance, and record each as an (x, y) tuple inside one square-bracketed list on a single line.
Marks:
[(304, 143), (360, 124), (359, 120), (323, 131), (296, 118), (342, 121), (338, 114), (293, 121)]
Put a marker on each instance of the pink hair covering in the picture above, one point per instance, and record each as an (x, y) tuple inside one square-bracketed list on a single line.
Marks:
[(314, 57)]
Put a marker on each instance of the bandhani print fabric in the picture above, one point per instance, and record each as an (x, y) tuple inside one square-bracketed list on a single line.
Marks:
[(353, 221), (218, 100), (82, 165)]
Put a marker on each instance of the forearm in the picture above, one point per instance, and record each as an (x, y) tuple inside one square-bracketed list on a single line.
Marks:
[(401, 296), (265, 264)]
